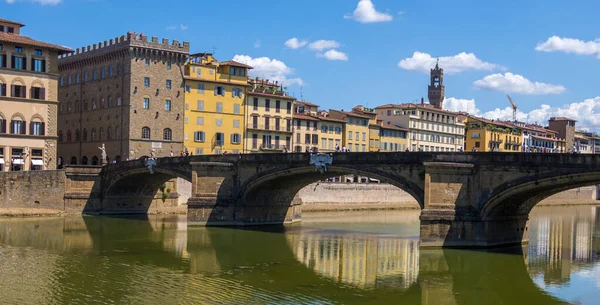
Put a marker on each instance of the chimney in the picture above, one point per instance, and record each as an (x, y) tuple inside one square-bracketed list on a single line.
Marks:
[(422, 101)]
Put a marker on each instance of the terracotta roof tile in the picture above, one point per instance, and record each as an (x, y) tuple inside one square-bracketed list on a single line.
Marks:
[(304, 117), (353, 114), (267, 94), (235, 64), (18, 39), (324, 118), (307, 103), (394, 127), (10, 21)]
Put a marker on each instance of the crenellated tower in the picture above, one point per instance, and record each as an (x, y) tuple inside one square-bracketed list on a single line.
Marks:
[(435, 92)]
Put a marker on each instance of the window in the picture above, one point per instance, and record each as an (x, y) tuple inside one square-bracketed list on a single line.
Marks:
[(38, 93), (219, 122), (110, 71), (364, 134), (211, 72), (199, 121), (236, 138), (94, 74), (349, 135), (323, 143), (357, 136), (2, 60), (289, 107), (186, 120), (277, 106), (39, 65), (219, 90), (267, 105), (103, 72), (168, 105), (200, 105), (199, 136), (17, 127), (236, 108), (188, 89), (110, 103), (18, 49), (236, 92), (315, 139), (198, 72), (93, 134), (147, 62), (324, 128), (236, 123), (146, 103), (147, 82), (219, 106), (168, 65), (145, 133), (167, 134), (219, 139), (255, 103), (168, 84), (86, 76), (18, 91), (85, 137), (19, 63), (201, 88), (199, 151)]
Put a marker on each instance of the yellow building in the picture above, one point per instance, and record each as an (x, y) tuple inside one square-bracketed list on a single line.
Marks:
[(486, 136), (332, 132), (356, 129), (305, 127), (392, 138), (268, 118), (215, 95)]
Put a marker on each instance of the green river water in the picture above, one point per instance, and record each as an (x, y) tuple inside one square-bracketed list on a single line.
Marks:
[(329, 258)]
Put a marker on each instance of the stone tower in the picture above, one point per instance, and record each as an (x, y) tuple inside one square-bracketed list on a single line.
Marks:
[(435, 92)]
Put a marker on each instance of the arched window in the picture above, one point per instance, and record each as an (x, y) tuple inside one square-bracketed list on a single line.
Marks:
[(108, 134), (95, 160), (36, 126), (77, 135), (60, 136), (73, 160), (94, 74), (77, 78), (167, 134), (84, 160), (101, 134), (85, 105), (145, 133), (117, 132), (103, 72), (85, 135), (93, 134), (94, 104), (69, 107), (17, 125), (118, 68)]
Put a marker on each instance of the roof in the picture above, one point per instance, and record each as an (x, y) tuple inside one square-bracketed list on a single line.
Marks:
[(18, 39), (301, 116), (235, 64), (537, 128), (498, 123), (393, 127), (307, 103), (325, 118), (10, 21), (561, 118), (410, 105), (268, 94), (353, 114)]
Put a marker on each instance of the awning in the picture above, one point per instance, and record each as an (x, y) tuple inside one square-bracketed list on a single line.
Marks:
[(37, 162), (17, 161)]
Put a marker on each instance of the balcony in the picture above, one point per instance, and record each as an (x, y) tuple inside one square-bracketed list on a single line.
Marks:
[(513, 142), (271, 147), (264, 127)]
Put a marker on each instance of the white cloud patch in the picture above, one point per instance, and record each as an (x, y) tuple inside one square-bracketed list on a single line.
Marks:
[(570, 45), (365, 13), (423, 62), (271, 69), (334, 55), (175, 27), (295, 43), (514, 83), (587, 112), (321, 45), (42, 2)]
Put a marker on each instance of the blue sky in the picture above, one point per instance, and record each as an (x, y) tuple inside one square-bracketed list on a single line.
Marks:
[(545, 54)]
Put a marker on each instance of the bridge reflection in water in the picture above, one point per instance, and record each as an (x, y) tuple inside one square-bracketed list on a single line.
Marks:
[(158, 259)]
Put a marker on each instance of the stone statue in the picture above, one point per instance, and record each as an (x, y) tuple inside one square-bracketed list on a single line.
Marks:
[(131, 154), (103, 153), (321, 161), (152, 153), (150, 163)]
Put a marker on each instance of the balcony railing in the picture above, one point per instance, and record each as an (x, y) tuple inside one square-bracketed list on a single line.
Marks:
[(272, 147), (269, 127)]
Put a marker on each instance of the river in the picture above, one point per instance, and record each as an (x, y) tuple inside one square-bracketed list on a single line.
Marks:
[(329, 258)]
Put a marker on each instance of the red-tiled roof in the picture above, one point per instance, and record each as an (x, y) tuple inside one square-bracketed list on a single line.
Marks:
[(10, 21), (560, 118), (353, 114), (267, 94), (307, 103), (235, 64), (393, 127), (410, 105), (18, 39), (301, 116), (324, 118)]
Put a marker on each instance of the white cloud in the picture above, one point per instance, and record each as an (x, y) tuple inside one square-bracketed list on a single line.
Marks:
[(295, 43), (271, 69), (42, 2), (334, 55), (570, 45), (587, 112), (321, 45), (257, 44), (365, 13), (175, 27), (422, 62), (514, 83)]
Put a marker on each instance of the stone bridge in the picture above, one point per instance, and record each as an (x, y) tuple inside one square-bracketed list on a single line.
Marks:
[(467, 199)]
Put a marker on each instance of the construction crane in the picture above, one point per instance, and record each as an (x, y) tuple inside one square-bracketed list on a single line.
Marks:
[(514, 106)]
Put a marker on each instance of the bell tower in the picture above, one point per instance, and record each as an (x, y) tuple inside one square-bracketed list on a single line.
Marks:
[(435, 92)]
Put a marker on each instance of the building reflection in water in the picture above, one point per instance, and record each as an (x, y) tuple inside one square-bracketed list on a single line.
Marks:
[(359, 260), (561, 241)]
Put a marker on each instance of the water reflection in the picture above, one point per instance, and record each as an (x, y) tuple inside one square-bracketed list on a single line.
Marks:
[(349, 259)]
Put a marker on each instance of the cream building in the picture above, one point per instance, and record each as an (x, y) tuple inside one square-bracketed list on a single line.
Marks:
[(269, 118), (331, 132), (305, 127), (28, 100)]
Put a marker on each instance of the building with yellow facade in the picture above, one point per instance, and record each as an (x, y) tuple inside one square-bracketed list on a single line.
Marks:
[(356, 129), (215, 103), (305, 127), (392, 138), (268, 118), (332, 132), (492, 136)]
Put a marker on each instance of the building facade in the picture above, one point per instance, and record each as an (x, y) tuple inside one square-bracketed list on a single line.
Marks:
[(125, 93), (215, 97), (356, 132), (269, 118), (565, 128), (539, 139), (29, 100), (331, 132), (305, 127), (485, 135), (392, 138)]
